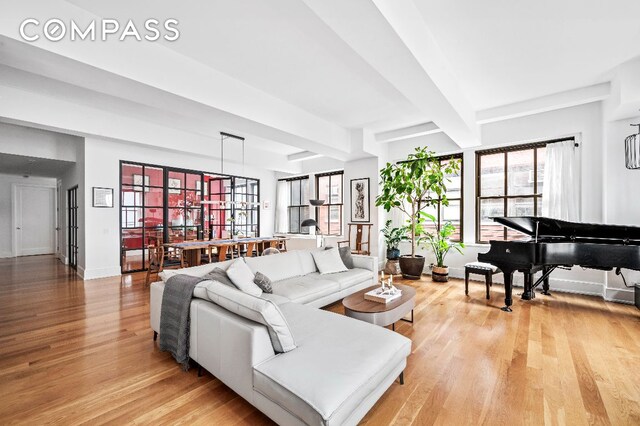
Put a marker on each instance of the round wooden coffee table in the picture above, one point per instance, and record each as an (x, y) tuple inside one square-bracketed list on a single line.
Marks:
[(384, 314)]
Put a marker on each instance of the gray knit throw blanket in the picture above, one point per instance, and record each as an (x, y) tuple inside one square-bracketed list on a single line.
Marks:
[(174, 317)]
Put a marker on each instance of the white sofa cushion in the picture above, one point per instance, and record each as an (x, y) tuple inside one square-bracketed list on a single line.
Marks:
[(338, 363), (305, 289), (329, 261), (240, 274), (307, 263), (350, 278), (278, 266), (255, 309)]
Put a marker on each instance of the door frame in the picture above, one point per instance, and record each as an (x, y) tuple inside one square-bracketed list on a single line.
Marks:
[(15, 213)]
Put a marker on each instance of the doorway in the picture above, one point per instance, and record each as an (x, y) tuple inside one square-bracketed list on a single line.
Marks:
[(72, 237), (34, 220)]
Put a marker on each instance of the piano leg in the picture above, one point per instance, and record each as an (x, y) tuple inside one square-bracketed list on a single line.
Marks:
[(545, 283), (508, 290), (528, 283)]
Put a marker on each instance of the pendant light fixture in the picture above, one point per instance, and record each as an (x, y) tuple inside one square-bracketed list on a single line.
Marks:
[(224, 204), (632, 150)]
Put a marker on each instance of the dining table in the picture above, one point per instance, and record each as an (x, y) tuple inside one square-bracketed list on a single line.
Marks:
[(193, 249)]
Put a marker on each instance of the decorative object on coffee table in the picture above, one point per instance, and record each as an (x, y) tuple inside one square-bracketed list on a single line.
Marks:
[(383, 314)]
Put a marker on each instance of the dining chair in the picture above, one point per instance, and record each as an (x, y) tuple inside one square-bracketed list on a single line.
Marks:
[(158, 262), (360, 245)]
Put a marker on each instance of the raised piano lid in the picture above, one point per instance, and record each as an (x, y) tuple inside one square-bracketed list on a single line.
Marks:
[(554, 228)]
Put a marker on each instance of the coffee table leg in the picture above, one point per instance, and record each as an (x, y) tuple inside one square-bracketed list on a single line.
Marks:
[(406, 320)]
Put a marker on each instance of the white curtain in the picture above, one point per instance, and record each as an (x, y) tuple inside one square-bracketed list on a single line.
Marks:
[(282, 203), (561, 188)]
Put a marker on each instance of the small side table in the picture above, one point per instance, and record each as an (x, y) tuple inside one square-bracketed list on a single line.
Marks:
[(480, 268)]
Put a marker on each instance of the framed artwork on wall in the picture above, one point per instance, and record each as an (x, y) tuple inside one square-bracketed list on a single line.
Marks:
[(102, 197), (360, 200)]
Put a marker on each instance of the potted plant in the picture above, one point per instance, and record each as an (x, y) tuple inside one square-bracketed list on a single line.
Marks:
[(392, 239), (412, 186), (439, 241)]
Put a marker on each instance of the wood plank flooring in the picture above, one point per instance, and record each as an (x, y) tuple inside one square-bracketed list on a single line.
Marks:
[(74, 352)]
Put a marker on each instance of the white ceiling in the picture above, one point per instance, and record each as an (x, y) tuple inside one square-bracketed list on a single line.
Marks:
[(32, 166), (508, 51), (298, 75), (279, 47)]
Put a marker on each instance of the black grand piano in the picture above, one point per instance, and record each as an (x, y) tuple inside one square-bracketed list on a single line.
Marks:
[(557, 243)]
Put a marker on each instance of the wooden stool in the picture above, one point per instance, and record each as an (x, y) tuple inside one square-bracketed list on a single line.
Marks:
[(480, 268)]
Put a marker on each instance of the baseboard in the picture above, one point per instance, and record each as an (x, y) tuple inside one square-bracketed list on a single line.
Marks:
[(620, 295), (5, 254), (587, 288), (92, 274)]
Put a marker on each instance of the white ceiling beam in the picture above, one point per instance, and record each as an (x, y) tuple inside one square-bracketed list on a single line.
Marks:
[(407, 132), (249, 109), (22, 107), (301, 156), (569, 98), (392, 37)]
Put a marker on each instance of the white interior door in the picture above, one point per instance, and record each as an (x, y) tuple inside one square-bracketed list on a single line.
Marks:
[(34, 220)]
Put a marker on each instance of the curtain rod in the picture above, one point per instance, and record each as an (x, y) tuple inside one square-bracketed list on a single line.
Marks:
[(524, 146)]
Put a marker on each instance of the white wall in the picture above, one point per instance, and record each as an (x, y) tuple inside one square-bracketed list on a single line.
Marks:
[(621, 204), (584, 122), (102, 168), (6, 207), (364, 168), (27, 141)]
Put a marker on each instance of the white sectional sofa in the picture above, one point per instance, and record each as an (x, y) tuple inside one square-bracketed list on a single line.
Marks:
[(340, 366)]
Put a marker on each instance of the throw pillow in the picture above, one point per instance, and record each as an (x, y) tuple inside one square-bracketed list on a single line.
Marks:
[(263, 281), (345, 255), (242, 277), (329, 261), (255, 309), (221, 276)]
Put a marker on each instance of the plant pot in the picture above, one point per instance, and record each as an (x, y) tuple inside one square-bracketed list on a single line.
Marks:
[(412, 267), (393, 254), (440, 274)]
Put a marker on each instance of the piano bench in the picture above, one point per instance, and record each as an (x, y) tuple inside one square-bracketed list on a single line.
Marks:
[(479, 268)]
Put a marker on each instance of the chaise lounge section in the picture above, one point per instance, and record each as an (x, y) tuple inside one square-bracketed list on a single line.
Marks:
[(340, 366)]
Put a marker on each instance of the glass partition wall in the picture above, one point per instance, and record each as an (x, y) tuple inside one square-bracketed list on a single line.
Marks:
[(164, 205)]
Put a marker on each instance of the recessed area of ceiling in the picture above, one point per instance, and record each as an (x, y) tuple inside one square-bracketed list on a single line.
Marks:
[(31, 166)]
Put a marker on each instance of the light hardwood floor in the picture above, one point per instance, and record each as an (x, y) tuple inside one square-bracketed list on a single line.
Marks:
[(76, 352)]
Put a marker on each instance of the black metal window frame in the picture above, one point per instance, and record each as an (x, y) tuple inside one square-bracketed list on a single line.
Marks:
[(166, 188), (296, 205), (457, 156), (536, 195), (328, 204), (72, 223)]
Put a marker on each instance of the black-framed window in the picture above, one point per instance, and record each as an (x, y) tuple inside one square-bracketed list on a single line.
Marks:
[(508, 183), (329, 187), (298, 208), (454, 211), (161, 204)]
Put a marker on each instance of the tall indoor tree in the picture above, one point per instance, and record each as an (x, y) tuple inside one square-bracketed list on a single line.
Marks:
[(412, 186)]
